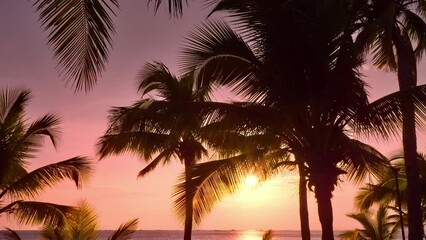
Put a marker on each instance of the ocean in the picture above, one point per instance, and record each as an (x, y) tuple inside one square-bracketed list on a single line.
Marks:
[(197, 235)]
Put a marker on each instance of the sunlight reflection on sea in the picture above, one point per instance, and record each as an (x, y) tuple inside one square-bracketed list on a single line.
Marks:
[(198, 235)]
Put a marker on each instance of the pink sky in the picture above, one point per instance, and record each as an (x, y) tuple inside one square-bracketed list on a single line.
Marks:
[(114, 191)]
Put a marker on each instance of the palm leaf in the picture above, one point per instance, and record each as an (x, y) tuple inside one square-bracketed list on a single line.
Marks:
[(383, 50), (30, 212), (211, 181), (80, 34), (174, 6), (416, 27), (364, 219), (53, 233), (83, 223), (156, 76), (380, 226), (46, 125), (384, 190), (219, 55), (383, 117), (144, 144), (10, 234), (371, 194), (32, 140), (143, 115), (125, 231), (164, 156), (12, 104), (80, 224), (363, 161), (76, 169)]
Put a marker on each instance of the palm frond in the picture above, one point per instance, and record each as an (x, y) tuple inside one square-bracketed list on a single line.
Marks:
[(366, 222), (76, 169), (143, 115), (364, 160), (174, 6), (164, 156), (12, 105), (46, 125), (32, 139), (53, 233), (156, 76), (30, 212), (80, 224), (211, 181), (83, 222), (371, 194), (384, 55), (80, 34), (383, 117), (219, 55), (384, 190), (380, 226), (416, 28), (144, 144), (10, 234), (125, 231)]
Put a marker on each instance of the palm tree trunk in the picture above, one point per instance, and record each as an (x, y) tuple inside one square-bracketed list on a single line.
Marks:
[(303, 204), (189, 207), (325, 210), (188, 219), (407, 80)]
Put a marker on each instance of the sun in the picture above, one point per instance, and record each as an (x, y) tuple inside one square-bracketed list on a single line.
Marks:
[(251, 181)]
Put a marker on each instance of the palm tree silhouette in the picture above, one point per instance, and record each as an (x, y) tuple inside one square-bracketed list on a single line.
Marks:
[(150, 130), (395, 32), (19, 141), (315, 90)]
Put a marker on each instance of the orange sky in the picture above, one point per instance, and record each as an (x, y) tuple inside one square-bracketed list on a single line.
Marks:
[(114, 191)]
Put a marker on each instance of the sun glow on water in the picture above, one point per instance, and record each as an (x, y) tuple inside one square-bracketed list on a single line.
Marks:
[(249, 235)]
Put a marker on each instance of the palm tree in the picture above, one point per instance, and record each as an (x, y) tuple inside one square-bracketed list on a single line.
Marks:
[(149, 129), (19, 141), (382, 227), (80, 225), (385, 190), (395, 31), (80, 33), (308, 78)]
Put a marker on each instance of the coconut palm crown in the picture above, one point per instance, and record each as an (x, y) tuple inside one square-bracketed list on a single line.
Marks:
[(149, 129), (19, 142)]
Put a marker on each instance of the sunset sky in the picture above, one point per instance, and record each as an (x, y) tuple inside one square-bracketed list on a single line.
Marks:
[(114, 191)]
